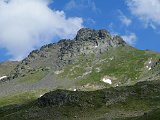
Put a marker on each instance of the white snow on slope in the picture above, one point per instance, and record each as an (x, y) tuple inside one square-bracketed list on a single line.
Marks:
[(3, 77), (106, 80)]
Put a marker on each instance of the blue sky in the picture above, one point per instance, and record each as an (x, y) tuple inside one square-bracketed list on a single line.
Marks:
[(136, 21)]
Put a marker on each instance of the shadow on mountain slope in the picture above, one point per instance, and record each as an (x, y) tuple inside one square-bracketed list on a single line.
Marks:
[(113, 103)]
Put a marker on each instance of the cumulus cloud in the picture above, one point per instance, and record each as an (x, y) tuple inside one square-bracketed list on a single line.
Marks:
[(124, 19), (28, 24), (147, 10), (130, 38)]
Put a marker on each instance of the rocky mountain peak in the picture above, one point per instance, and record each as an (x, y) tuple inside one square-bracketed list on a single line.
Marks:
[(87, 41), (98, 36), (86, 33)]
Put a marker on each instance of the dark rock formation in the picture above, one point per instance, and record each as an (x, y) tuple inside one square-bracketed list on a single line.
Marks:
[(58, 98)]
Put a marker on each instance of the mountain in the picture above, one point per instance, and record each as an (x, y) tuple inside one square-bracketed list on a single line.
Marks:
[(94, 76)]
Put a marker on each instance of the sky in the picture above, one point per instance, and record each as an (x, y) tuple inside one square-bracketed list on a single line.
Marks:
[(26, 25)]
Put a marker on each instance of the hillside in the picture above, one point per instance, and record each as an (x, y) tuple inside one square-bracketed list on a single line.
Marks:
[(101, 71), (84, 63), (120, 103)]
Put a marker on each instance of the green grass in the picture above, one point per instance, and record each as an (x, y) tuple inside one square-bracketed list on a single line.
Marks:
[(17, 99), (126, 67), (153, 115), (78, 68), (33, 77), (91, 105), (20, 98)]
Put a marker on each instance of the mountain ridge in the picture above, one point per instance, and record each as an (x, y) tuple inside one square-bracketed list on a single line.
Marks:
[(98, 41), (87, 54), (94, 76)]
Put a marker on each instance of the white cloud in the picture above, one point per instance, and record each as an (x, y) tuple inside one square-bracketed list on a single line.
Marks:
[(124, 19), (28, 24), (147, 10), (130, 38), (81, 5)]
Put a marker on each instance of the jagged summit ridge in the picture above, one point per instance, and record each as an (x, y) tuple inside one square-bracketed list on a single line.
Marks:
[(66, 51), (86, 40), (86, 34), (89, 41)]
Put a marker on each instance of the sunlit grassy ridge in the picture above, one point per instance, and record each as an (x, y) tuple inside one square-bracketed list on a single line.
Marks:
[(21, 98), (125, 64)]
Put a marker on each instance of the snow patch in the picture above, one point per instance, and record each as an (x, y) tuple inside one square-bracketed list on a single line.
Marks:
[(106, 80), (3, 77), (95, 46), (149, 68), (40, 95), (75, 90)]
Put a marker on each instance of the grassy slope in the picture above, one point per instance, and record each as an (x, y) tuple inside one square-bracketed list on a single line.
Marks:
[(117, 102), (124, 64), (33, 77), (126, 67), (153, 115), (21, 98)]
